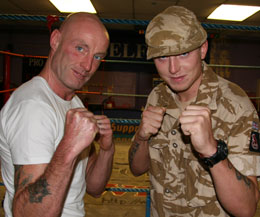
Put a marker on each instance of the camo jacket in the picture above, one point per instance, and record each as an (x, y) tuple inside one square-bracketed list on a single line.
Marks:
[(180, 184)]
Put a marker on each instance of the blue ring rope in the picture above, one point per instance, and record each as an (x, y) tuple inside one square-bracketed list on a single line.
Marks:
[(148, 197), (140, 190), (125, 121), (125, 21)]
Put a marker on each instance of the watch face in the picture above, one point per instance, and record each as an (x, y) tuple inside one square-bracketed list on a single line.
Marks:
[(222, 149)]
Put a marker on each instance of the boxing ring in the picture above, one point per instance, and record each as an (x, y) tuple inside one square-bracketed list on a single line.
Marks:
[(116, 193)]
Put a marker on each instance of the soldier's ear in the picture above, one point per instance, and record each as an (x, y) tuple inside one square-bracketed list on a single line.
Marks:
[(203, 50)]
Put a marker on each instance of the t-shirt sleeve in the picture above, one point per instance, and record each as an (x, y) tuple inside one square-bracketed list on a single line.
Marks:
[(30, 132), (244, 159)]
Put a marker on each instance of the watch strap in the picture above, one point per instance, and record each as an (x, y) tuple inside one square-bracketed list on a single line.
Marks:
[(221, 154)]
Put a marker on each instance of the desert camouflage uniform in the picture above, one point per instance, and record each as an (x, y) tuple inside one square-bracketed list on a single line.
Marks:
[(180, 185), (174, 31)]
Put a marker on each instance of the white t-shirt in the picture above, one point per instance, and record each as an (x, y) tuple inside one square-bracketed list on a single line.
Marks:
[(31, 127)]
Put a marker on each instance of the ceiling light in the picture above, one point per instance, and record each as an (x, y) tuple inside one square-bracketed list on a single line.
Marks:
[(233, 12), (70, 6)]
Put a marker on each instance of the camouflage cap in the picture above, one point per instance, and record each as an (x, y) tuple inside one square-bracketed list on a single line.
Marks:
[(174, 31)]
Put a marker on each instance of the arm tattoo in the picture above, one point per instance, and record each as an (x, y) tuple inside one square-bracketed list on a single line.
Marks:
[(133, 151), (18, 173), (244, 178), (239, 176), (37, 191)]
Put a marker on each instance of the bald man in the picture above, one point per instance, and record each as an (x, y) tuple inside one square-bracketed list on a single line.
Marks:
[(48, 159)]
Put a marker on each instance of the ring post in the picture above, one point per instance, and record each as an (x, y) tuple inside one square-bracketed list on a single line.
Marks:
[(6, 79)]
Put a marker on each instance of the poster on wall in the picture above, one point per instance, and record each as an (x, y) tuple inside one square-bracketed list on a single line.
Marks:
[(32, 66)]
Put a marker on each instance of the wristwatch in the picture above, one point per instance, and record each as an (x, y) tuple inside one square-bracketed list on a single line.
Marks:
[(221, 154)]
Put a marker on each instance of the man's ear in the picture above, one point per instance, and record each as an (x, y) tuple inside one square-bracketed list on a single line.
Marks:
[(203, 50), (55, 39)]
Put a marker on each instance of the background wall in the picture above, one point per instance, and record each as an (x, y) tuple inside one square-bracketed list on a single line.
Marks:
[(130, 77)]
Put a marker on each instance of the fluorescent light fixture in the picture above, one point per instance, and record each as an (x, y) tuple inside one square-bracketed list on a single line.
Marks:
[(70, 6), (233, 12)]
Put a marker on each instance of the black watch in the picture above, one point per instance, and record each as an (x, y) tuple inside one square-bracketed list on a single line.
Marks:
[(221, 154)]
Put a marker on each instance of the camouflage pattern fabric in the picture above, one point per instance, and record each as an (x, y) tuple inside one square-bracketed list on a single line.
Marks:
[(174, 31), (180, 185)]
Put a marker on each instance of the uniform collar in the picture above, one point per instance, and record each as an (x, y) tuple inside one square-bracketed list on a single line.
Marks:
[(208, 89), (207, 93)]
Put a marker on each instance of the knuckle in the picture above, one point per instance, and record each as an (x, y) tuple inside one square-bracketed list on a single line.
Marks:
[(70, 112), (200, 118)]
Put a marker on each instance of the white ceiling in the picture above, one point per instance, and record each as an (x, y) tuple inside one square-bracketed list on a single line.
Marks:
[(119, 10)]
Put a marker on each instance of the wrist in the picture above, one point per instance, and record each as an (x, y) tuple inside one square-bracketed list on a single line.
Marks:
[(139, 138), (210, 151), (220, 155), (109, 149)]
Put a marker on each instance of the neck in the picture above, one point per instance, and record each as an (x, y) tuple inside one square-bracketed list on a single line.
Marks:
[(56, 85), (184, 97)]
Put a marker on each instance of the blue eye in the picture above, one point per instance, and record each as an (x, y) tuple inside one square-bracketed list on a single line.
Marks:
[(184, 54), (98, 57), (163, 57), (80, 49)]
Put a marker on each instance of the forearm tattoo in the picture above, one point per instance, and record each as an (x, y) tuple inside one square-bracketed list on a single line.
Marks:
[(133, 150), (239, 176), (18, 173), (37, 191)]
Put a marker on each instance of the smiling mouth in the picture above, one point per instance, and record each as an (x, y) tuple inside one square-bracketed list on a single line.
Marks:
[(178, 79), (80, 75)]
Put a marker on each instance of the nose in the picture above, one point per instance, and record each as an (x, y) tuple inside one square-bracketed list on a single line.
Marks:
[(174, 65), (86, 63)]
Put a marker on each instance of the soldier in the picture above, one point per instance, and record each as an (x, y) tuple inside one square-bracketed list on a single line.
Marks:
[(197, 133)]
